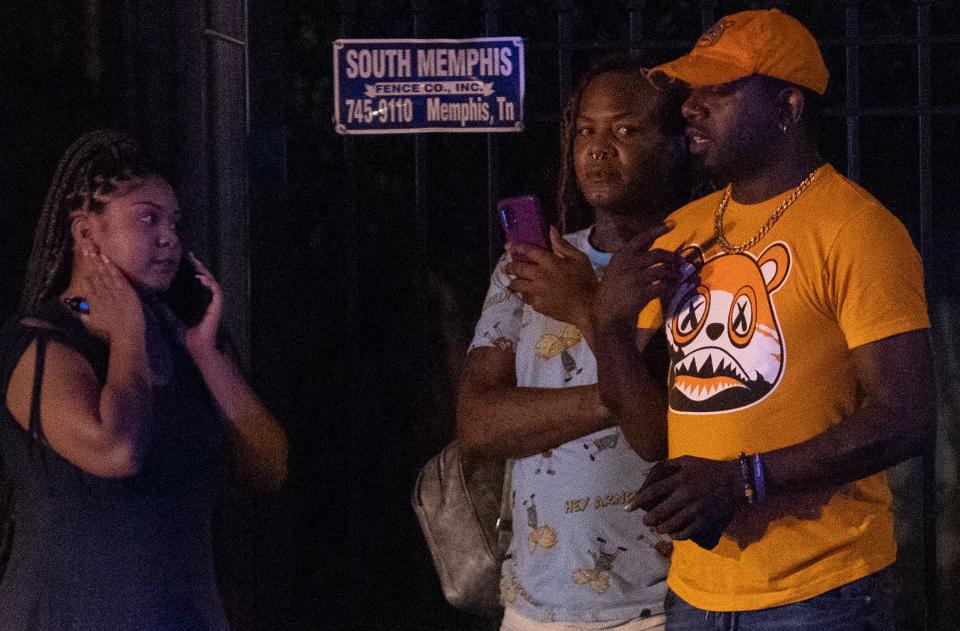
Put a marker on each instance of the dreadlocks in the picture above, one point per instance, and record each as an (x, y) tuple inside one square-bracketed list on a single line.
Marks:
[(574, 211), (99, 165)]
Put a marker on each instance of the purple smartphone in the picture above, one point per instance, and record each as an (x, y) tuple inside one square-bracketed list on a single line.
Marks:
[(522, 221)]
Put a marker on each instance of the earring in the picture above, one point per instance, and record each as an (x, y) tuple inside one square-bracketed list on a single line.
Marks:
[(783, 127)]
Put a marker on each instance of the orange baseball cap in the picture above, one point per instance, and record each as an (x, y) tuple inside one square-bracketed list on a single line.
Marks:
[(769, 42)]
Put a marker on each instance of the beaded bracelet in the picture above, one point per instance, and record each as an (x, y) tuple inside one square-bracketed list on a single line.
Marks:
[(746, 478)]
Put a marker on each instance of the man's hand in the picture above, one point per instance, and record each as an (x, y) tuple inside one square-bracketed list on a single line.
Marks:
[(691, 498), (635, 276), (559, 284)]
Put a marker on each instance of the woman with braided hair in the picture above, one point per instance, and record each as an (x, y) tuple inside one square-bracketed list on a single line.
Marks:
[(119, 418)]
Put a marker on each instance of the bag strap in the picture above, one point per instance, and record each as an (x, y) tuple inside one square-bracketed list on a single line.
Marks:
[(505, 521)]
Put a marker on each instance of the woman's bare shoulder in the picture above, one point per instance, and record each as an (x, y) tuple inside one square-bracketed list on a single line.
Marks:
[(69, 382)]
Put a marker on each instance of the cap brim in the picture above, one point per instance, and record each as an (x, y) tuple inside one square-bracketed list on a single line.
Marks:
[(698, 71)]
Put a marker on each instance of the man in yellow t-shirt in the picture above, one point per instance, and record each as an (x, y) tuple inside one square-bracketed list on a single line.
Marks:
[(800, 356)]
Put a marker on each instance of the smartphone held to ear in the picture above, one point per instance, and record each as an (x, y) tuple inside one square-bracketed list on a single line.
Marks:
[(187, 297), (522, 221)]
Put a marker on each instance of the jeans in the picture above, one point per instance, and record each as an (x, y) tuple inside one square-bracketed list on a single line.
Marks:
[(863, 605)]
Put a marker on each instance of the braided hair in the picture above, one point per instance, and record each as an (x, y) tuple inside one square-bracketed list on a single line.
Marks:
[(574, 211), (98, 166)]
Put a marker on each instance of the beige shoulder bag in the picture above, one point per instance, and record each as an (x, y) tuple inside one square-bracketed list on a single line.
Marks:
[(463, 505)]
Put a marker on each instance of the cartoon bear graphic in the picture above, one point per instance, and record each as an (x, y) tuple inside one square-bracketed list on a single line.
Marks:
[(726, 347)]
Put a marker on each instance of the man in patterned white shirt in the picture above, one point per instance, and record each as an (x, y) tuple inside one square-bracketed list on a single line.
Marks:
[(529, 390)]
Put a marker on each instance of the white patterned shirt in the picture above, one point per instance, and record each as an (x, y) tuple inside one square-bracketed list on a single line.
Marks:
[(576, 555)]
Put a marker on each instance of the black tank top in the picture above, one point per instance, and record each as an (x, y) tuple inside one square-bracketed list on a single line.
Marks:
[(131, 554)]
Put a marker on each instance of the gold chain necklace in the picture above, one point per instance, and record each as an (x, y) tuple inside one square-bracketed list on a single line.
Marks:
[(728, 248)]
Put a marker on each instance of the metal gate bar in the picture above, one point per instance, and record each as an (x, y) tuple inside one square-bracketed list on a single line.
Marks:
[(931, 587), (492, 28), (853, 88)]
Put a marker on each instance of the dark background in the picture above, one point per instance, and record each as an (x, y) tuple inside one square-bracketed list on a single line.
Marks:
[(356, 267)]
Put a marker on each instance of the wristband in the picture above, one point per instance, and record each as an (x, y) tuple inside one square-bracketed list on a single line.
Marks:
[(759, 479), (78, 304)]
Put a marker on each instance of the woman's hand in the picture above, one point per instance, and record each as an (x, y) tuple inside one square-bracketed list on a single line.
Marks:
[(202, 337), (559, 284), (114, 307)]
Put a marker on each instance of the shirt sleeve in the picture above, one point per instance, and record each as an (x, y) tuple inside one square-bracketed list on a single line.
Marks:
[(874, 278), (651, 316), (499, 323)]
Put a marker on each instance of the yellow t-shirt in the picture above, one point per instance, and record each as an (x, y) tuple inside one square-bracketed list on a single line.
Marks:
[(760, 360)]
